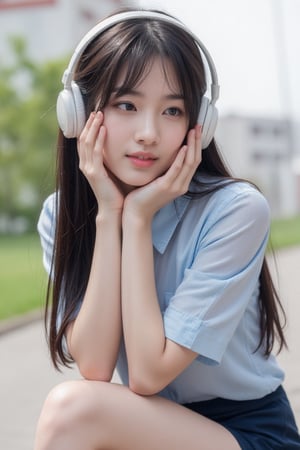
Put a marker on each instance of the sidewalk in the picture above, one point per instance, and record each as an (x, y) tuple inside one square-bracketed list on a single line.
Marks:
[(287, 266), (27, 375)]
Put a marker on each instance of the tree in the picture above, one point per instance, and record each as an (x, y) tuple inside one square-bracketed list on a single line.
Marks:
[(28, 130)]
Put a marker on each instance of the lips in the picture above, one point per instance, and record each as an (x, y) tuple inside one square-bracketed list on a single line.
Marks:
[(142, 159), (142, 156)]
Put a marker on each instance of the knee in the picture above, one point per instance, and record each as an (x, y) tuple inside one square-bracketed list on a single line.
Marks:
[(64, 409), (79, 414)]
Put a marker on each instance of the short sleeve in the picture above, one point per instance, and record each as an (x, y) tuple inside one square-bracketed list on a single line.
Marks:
[(208, 305), (46, 229)]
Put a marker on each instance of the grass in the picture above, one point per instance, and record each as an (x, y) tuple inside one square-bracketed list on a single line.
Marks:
[(22, 276), (285, 232), (23, 279)]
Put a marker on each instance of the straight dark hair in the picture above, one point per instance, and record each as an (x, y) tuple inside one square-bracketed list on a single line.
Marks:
[(130, 47)]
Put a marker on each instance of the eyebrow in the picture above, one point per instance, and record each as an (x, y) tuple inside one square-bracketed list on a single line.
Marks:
[(120, 91)]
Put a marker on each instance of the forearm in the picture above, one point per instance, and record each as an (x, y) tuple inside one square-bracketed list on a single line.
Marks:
[(142, 320), (94, 337)]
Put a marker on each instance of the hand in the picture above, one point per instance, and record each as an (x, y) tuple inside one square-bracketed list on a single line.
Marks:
[(145, 201), (90, 149)]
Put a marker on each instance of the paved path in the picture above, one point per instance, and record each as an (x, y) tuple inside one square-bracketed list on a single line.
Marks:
[(27, 376)]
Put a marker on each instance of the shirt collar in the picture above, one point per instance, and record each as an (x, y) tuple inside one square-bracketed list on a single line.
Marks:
[(165, 222)]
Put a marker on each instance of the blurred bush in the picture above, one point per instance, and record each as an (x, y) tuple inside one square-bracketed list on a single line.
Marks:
[(28, 130)]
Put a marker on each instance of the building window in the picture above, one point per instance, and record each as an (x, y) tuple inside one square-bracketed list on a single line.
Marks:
[(256, 129), (259, 156)]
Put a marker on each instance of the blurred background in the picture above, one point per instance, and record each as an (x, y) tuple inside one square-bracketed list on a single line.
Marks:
[(255, 45)]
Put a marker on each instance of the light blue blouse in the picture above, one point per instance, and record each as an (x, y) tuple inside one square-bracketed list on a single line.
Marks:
[(208, 254)]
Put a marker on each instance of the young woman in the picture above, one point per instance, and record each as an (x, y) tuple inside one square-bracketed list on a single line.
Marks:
[(156, 259)]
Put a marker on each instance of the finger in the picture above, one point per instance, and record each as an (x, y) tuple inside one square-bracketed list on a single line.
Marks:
[(93, 129), (86, 128), (170, 178), (198, 129), (193, 154), (82, 137), (177, 164), (194, 145), (88, 123), (190, 161), (198, 143), (99, 146), (180, 173), (188, 165), (88, 139)]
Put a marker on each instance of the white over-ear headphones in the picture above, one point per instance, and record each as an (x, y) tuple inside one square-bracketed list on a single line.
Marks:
[(70, 107)]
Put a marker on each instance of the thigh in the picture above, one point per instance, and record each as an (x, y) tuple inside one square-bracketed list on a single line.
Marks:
[(127, 421)]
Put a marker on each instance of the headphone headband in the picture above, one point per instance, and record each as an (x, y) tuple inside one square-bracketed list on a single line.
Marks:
[(120, 17), (70, 105)]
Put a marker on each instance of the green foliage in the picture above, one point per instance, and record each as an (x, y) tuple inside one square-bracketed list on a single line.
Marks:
[(28, 130), (22, 277), (285, 232)]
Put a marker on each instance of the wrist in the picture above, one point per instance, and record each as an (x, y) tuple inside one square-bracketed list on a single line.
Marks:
[(135, 221), (109, 217)]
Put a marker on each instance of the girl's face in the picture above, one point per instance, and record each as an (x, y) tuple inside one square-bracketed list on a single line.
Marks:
[(146, 127)]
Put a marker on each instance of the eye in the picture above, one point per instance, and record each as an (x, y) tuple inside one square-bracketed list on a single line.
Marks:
[(126, 106), (174, 112)]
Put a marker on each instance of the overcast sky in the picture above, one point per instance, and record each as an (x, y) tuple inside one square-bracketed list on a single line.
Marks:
[(255, 45)]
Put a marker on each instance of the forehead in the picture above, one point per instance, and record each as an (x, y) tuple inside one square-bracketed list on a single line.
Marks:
[(157, 68)]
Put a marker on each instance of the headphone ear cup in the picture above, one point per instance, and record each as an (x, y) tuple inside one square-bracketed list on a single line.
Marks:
[(70, 111), (207, 118)]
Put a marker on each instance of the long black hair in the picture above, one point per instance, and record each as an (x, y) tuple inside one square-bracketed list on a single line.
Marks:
[(128, 46)]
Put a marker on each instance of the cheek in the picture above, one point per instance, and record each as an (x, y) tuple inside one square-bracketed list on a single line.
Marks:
[(177, 138), (111, 138), (115, 133), (108, 148), (110, 121)]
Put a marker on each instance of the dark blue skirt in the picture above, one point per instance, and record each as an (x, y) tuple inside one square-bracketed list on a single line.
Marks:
[(267, 423)]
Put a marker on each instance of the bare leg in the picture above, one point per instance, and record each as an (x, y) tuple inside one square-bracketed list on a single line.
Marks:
[(92, 415)]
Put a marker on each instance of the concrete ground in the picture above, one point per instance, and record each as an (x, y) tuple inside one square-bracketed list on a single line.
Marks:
[(27, 375)]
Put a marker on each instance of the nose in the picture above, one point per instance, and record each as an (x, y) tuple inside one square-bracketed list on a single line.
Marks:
[(147, 131)]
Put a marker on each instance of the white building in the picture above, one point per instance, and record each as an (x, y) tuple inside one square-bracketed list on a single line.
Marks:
[(264, 151), (51, 27)]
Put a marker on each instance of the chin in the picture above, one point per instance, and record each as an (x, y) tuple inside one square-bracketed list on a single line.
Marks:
[(135, 184)]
